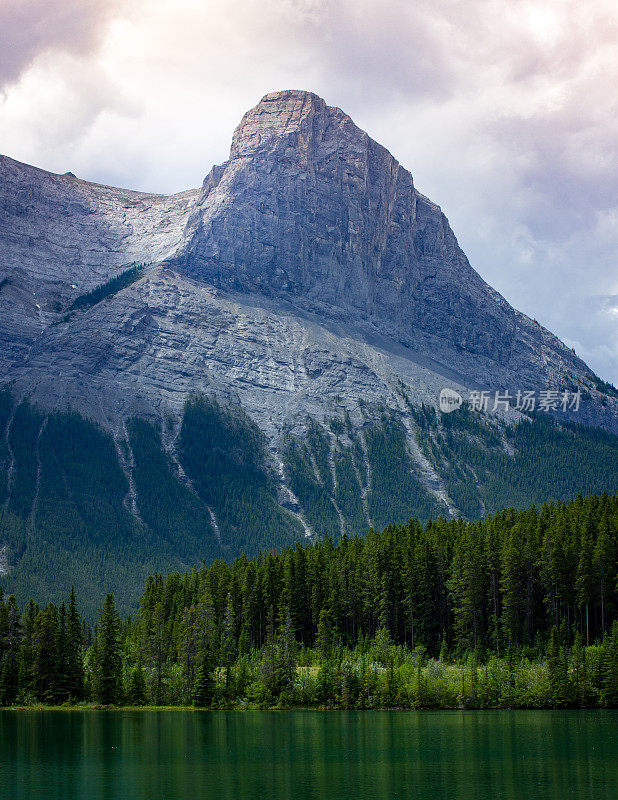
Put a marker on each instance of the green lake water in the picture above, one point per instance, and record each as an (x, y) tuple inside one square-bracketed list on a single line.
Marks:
[(308, 754)]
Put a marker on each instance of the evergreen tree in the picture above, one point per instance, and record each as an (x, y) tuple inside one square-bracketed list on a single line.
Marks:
[(204, 689), (136, 692), (62, 690), (287, 650), (520, 579), (585, 574), (74, 663), (10, 640), (605, 564), (156, 642), (609, 667), (324, 637), (46, 654), (189, 647), (556, 668), (108, 667), (27, 680), (228, 642)]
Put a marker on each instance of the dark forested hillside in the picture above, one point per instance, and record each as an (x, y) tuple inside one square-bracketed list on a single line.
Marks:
[(485, 586), (488, 465), (80, 506)]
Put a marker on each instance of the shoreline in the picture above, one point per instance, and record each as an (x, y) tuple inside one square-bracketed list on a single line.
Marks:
[(100, 708)]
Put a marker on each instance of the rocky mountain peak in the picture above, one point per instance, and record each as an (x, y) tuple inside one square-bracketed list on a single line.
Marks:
[(292, 114)]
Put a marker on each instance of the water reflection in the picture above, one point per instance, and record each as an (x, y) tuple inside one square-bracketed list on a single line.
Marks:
[(309, 755)]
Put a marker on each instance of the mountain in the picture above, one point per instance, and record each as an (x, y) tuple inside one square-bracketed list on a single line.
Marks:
[(257, 360)]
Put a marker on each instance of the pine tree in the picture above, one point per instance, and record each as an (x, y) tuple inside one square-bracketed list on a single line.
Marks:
[(324, 637), (27, 682), (204, 689), (514, 573), (108, 669), (556, 668), (584, 583), (189, 647), (287, 650), (269, 666), (9, 647), (609, 667), (62, 690), (228, 642), (605, 564), (156, 641), (74, 651), (580, 672), (46, 654)]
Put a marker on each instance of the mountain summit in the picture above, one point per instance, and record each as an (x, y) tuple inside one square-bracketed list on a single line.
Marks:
[(311, 209)]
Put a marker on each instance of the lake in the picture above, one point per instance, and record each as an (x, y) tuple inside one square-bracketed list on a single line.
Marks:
[(67, 755)]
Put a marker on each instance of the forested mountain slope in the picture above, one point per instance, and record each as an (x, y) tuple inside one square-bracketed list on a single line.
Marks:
[(80, 507)]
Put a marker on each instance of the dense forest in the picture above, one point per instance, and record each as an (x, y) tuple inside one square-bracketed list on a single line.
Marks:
[(80, 506), (518, 610)]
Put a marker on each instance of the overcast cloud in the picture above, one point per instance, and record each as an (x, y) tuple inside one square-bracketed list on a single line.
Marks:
[(504, 111)]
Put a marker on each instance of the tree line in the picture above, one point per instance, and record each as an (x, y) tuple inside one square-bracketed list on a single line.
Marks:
[(519, 610)]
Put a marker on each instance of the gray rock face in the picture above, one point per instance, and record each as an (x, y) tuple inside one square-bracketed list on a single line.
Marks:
[(306, 273), (310, 209), (61, 237)]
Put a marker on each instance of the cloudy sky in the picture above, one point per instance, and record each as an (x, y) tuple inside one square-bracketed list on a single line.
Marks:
[(505, 112)]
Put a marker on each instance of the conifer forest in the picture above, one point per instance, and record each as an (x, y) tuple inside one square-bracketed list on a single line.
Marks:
[(518, 610)]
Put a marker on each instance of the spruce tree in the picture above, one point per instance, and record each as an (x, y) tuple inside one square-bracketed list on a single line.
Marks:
[(228, 642), (204, 689), (609, 667), (9, 647), (27, 683), (136, 693), (287, 651), (46, 654), (556, 668), (74, 663), (189, 647), (108, 669), (156, 642), (62, 673)]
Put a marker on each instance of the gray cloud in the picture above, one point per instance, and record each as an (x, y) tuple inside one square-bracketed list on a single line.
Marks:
[(29, 27)]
